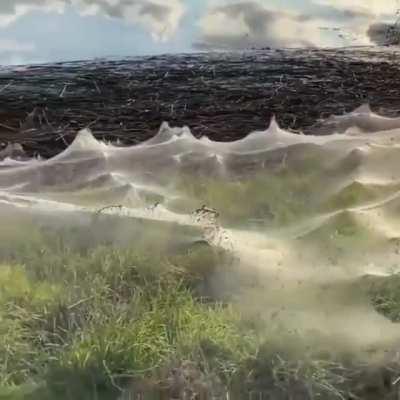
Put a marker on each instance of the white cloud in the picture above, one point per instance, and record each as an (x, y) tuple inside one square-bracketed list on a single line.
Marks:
[(232, 23), (377, 8), (236, 24), (245, 24), (160, 18), (11, 10), (377, 16)]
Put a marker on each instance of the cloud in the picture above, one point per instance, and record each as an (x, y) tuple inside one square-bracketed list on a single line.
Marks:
[(376, 8), (14, 52), (159, 17), (375, 17), (235, 24), (11, 10), (250, 24)]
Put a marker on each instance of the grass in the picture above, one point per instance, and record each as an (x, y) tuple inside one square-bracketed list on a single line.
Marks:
[(78, 320), (278, 199), (358, 194), (385, 295), (90, 318)]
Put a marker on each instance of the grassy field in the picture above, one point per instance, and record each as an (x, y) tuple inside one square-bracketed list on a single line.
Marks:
[(82, 317)]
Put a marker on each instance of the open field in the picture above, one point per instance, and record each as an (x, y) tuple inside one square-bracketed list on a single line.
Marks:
[(183, 268)]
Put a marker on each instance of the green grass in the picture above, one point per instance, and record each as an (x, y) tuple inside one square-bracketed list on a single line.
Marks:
[(82, 319), (278, 199), (385, 295), (357, 194), (92, 321)]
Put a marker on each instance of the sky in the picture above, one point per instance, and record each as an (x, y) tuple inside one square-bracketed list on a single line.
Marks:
[(37, 31)]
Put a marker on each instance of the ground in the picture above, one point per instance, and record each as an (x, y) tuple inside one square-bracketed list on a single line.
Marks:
[(83, 318), (86, 316), (221, 95)]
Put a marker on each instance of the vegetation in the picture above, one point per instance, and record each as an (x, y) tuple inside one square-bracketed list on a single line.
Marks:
[(108, 320), (274, 199), (385, 294)]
